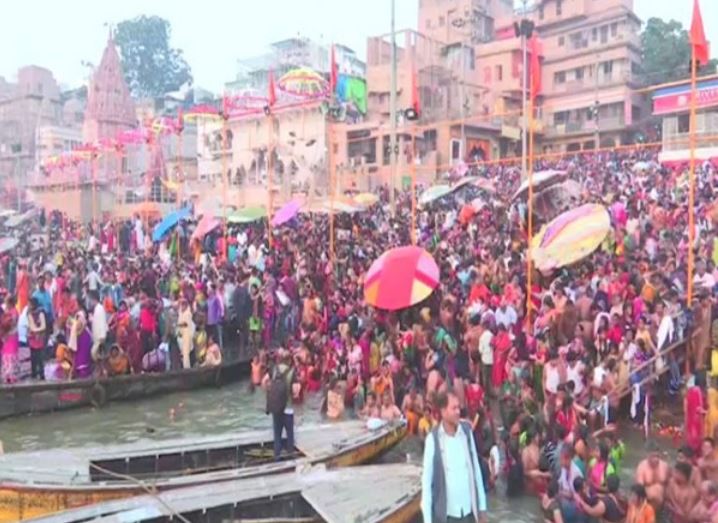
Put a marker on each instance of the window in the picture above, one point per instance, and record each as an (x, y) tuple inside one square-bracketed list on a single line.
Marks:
[(558, 7), (579, 73), (608, 68), (442, 21), (499, 73), (560, 77), (594, 34), (684, 123), (614, 29), (604, 34), (560, 117), (561, 41)]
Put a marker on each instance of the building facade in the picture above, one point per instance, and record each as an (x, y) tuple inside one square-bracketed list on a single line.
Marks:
[(31, 102), (672, 105)]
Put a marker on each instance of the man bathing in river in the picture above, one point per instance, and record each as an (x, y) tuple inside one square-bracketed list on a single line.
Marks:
[(653, 474)]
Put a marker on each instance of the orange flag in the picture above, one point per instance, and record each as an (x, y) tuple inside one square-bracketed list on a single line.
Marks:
[(415, 100), (272, 95), (535, 50), (699, 43)]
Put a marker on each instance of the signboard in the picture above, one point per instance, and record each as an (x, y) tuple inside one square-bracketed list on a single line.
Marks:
[(678, 99)]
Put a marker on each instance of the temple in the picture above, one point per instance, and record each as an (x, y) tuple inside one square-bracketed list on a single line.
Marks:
[(110, 108)]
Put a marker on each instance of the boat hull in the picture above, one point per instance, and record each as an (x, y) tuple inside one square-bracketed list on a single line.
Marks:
[(19, 502), (35, 398)]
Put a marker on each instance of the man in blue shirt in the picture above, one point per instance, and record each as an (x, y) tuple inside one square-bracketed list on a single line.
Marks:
[(42, 295), (452, 484)]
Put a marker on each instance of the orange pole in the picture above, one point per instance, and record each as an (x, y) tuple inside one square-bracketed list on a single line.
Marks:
[(330, 161), (691, 180), (180, 182), (93, 167), (412, 172), (225, 152), (530, 214), (270, 172)]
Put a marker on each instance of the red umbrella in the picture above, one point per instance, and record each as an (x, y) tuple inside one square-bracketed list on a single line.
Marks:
[(400, 277)]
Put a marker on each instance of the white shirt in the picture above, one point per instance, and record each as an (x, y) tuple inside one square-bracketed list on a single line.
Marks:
[(665, 332), (506, 317), (23, 326), (485, 349), (99, 323), (707, 281)]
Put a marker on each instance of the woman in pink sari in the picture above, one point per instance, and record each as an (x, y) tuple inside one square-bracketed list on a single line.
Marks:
[(10, 343), (502, 348), (694, 412)]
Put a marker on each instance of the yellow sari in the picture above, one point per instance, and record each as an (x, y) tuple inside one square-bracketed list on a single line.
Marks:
[(711, 421)]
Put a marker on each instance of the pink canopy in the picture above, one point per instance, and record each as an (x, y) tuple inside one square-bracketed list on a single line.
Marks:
[(286, 213), (207, 224)]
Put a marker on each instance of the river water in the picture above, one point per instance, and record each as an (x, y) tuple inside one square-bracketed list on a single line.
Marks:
[(213, 411)]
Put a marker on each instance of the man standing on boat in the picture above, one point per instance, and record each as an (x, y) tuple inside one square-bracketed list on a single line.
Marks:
[(452, 484), (279, 387)]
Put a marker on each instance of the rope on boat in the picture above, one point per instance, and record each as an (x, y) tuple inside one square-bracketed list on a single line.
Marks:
[(151, 491)]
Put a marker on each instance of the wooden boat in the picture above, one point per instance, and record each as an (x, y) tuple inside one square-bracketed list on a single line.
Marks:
[(39, 397), (370, 494), (38, 483)]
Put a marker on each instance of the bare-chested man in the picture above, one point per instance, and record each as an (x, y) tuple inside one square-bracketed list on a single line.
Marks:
[(653, 473), (389, 411), (681, 496), (685, 455), (708, 463), (536, 480), (706, 510), (413, 407)]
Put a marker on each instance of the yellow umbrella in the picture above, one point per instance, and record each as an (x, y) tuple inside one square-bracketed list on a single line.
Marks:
[(366, 198), (570, 237)]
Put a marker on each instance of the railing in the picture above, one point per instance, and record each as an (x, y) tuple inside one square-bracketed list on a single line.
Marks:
[(626, 389)]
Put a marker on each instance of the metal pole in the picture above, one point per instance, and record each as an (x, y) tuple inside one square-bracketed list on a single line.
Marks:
[(18, 180), (462, 94), (392, 112), (596, 137), (524, 100), (691, 181)]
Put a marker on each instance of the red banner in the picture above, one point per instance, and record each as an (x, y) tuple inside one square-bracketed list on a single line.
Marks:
[(678, 99)]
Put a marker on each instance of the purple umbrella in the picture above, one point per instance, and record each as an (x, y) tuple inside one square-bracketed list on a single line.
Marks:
[(286, 213)]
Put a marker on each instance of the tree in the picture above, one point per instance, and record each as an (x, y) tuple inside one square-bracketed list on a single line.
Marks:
[(666, 53), (151, 67)]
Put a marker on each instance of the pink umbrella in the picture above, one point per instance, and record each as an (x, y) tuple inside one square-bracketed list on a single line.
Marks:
[(286, 213), (400, 277), (207, 224)]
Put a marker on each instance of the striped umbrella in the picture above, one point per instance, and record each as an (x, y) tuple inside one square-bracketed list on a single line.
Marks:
[(400, 278), (304, 82), (434, 193), (570, 237), (247, 215), (366, 198)]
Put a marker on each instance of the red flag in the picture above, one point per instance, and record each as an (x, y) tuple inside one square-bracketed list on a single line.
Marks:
[(415, 100), (272, 95), (333, 74), (535, 78), (698, 36), (180, 120)]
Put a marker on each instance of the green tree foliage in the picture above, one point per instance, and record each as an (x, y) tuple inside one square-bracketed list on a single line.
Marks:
[(666, 53), (151, 67)]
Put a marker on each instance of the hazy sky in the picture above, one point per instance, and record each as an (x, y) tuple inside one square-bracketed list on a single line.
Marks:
[(59, 35)]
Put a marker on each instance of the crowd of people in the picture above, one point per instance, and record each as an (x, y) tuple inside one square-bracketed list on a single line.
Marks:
[(541, 392)]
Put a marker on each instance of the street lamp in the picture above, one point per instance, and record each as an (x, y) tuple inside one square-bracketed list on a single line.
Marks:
[(524, 29)]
